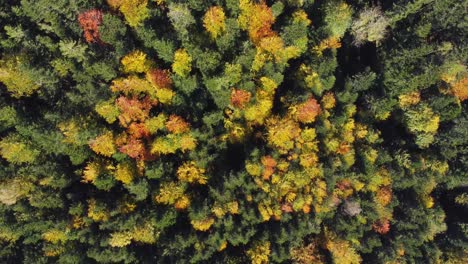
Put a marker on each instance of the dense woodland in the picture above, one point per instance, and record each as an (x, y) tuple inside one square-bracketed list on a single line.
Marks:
[(237, 131)]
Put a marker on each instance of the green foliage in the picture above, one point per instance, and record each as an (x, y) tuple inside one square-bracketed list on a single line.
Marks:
[(239, 131)]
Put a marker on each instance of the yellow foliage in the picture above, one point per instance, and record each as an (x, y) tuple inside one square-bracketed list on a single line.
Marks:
[(18, 81), (165, 145), (170, 192), (300, 16), (124, 173), (406, 100), (133, 85), (328, 43), (156, 123), (253, 169), (108, 110), (222, 246), (70, 129), (164, 95), (134, 11), (104, 144), (460, 89), (120, 239), (267, 211), (233, 207), (202, 225), (190, 173), (360, 131), (282, 133), (259, 252), (341, 250), (135, 62), (260, 58), (213, 21), (182, 64), (54, 236), (15, 151), (268, 85), (97, 214), (257, 19), (144, 233), (328, 100), (182, 203), (91, 171), (187, 142)]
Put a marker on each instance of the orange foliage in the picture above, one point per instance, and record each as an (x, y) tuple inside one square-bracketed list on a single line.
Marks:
[(134, 148), (177, 124), (258, 19), (381, 226), (90, 22), (343, 148), (133, 109), (307, 111), (160, 78), (384, 195), (287, 208), (138, 130), (460, 89), (270, 165), (239, 98)]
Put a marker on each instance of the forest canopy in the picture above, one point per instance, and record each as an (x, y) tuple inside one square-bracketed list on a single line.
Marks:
[(237, 131)]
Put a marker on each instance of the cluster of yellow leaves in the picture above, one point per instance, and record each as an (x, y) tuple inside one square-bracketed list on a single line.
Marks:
[(311, 79), (17, 152), (132, 85), (182, 64), (213, 21), (108, 110), (328, 43), (17, 80), (54, 236), (258, 112), (328, 101), (92, 170), (190, 173), (257, 18), (104, 144), (307, 254), (70, 129), (460, 89), (259, 252), (282, 133), (409, 99), (142, 233), (204, 224), (97, 212), (300, 16), (134, 11), (456, 76), (155, 123), (268, 210), (124, 173), (341, 250), (169, 144), (172, 193), (135, 62), (221, 210)]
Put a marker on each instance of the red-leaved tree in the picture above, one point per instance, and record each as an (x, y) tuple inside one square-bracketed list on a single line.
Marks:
[(90, 22)]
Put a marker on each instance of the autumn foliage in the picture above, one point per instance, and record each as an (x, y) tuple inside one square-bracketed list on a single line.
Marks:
[(90, 22)]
